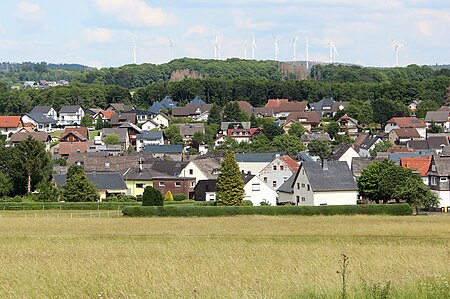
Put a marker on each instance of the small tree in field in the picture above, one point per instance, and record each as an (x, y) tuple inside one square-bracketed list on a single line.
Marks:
[(152, 197), (168, 196), (230, 187)]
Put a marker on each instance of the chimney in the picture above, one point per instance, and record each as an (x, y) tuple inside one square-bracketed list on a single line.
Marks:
[(325, 164)]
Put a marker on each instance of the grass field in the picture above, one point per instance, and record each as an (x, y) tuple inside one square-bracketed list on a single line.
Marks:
[(229, 257)]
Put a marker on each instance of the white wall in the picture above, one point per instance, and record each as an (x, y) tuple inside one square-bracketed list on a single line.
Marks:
[(148, 126), (161, 120), (265, 193), (253, 167), (444, 196), (348, 156), (335, 198), (196, 173), (303, 190)]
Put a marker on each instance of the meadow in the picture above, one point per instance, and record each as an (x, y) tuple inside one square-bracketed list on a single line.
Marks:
[(224, 257)]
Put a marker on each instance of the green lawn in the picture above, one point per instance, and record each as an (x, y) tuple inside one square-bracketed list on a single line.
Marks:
[(224, 257), (94, 133)]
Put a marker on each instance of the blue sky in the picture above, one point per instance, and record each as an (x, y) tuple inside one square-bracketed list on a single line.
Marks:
[(100, 32)]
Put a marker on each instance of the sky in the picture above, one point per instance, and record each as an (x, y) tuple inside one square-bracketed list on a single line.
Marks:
[(100, 33)]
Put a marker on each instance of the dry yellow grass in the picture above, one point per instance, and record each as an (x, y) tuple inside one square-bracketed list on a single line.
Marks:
[(229, 257)]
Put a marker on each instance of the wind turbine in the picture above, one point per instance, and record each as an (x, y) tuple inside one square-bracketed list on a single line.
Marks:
[(333, 52), (396, 49), (253, 47), (171, 47), (294, 40), (217, 48), (307, 53), (134, 51), (245, 49), (277, 50)]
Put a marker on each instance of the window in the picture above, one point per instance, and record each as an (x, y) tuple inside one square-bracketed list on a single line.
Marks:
[(281, 167), (274, 167), (192, 184), (106, 164), (443, 179), (297, 199), (191, 171), (177, 184), (255, 187), (140, 185), (285, 178), (433, 167), (433, 181), (303, 185), (162, 184), (298, 185), (309, 187), (303, 199), (265, 180), (274, 184)]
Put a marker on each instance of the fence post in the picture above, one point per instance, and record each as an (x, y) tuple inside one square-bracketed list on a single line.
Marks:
[(71, 216)]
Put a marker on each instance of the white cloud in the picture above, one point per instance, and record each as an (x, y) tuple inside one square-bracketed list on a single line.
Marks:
[(135, 12), (98, 35), (197, 29), (243, 22), (30, 12)]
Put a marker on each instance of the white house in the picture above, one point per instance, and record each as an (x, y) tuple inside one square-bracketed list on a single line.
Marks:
[(70, 116), (150, 125), (10, 124), (406, 123), (368, 145), (46, 110), (255, 162), (162, 120), (202, 169), (148, 137), (439, 118), (40, 121), (344, 152), (278, 171), (331, 183), (257, 192)]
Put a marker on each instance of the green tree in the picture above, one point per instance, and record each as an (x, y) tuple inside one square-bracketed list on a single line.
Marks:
[(434, 128), (369, 181), (173, 134), (230, 187), (168, 196), (152, 197), (297, 130), (289, 144), (214, 116), (332, 128), (380, 147), (47, 192), (271, 129), (77, 187), (320, 148), (232, 112), (361, 111), (384, 109), (425, 106), (33, 158), (254, 122), (343, 138), (5, 184), (415, 193), (112, 139), (87, 121)]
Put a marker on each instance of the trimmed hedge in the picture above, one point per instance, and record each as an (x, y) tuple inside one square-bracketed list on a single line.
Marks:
[(66, 205), (211, 211)]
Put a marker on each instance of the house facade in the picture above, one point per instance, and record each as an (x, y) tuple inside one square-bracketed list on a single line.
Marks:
[(70, 116), (10, 124), (257, 191), (439, 178), (406, 123), (278, 171), (147, 138), (41, 122)]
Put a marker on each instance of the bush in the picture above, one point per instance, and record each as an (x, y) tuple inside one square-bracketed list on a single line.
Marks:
[(63, 205), (211, 211), (120, 198), (179, 197), (152, 197), (246, 202), (168, 196)]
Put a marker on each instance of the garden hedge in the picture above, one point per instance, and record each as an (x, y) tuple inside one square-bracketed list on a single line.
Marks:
[(212, 211), (65, 205)]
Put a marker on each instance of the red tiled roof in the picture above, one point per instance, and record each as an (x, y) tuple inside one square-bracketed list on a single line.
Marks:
[(421, 165), (243, 105), (66, 148), (408, 122), (401, 150), (108, 114), (272, 103), (291, 107), (406, 133), (10, 121), (82, 130), (290, 163)]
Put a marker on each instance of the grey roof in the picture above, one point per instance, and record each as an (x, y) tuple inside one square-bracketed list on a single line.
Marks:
[(41, 118), (225, 125), (360, 163), (257, 157), (197, 100), (155, 108), (442, 166), (246, 177), (102, 181), (315, 136), (208, 166), (173, 168), (129, 125), (122, 132), (119, 118), (435, 142), (163, 149), (287, 187), (146, 174), (69, 109), (339, 151), (121, 106), (368, 143), (191, 110), (206, 186), (437, 116), (168, 103), (41, 109), (417, 154), (328, 102), (190, 129), (303, 156), (150, 135), (337, 176), (138, 112)]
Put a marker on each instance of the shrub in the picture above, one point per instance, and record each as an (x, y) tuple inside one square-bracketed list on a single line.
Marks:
[(246, 202), (168, 196), (179, 197), (211, 211), (152, 197)]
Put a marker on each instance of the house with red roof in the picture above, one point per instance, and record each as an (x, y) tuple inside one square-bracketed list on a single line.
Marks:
[(272, 103), (419, 165), (278, 171), (10, 124), (407, 123), (308, 119), (403, 136), (348, 125)]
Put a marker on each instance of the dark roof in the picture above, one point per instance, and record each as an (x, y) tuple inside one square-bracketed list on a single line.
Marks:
[(442, 165), (41, 118), (286, 187), (197, 100), (437, 116), (121, 106), (102, 181), (150, 135), (69, 109), (335, 177), (155, 108), (173, 168), (246, 177), (138, 112), (146, 174), (262, 111), (208, 166), (360, 163), (339, 151), (257, 157), (417, 154), (168, 103), (190, 110), (435, 142), (368, 143), (190, 129), (206, 186), (122, 132), (318, 106), (41, 109), (119, 118), (303, 156), (163, 149), (312, 117), (39, 136)]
